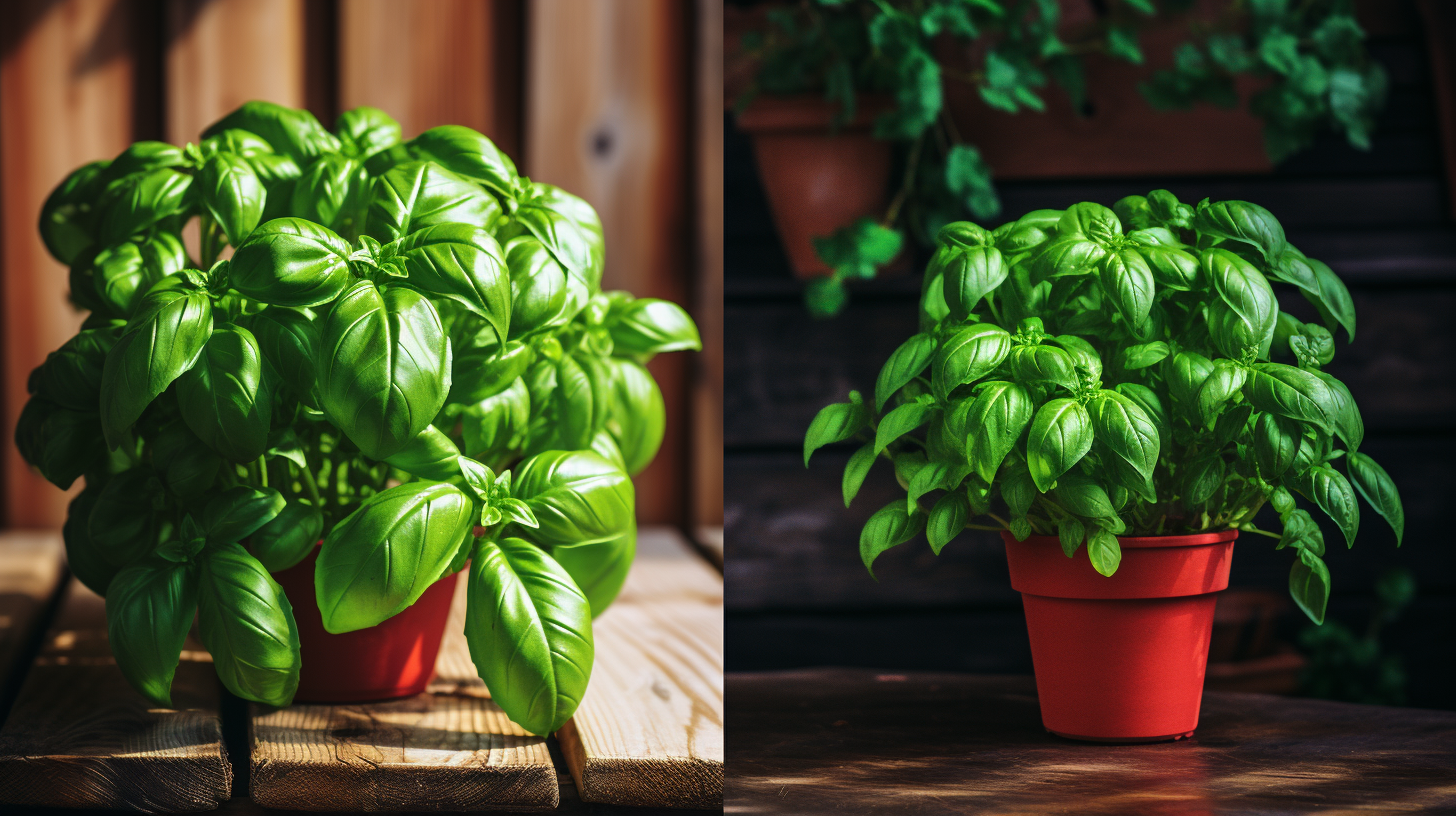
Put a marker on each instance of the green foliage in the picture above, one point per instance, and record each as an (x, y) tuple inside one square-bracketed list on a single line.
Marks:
[(1124, 371), (401, 323), (1310, 60)]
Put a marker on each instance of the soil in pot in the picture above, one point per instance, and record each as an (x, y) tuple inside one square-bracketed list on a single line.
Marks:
[(817, 179), (1121, 658), (393, 659)]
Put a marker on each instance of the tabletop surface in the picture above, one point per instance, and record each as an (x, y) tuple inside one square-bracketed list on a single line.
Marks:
[(864, 742)]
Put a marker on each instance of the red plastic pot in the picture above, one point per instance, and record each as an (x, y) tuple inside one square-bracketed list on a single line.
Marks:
[(817, 180), (1121, 658), (394, 659)]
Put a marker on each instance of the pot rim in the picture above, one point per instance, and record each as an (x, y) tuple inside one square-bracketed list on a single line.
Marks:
[(809, 113), (1188, 540)]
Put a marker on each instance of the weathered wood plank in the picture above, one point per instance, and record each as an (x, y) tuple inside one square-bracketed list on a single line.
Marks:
[(650, 730), (451, 748), (855, 741), (30, 575), (80, 737)]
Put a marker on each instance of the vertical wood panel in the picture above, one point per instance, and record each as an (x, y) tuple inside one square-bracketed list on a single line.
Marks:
[(66, 98), (445, 62), (606, 118), (225, 52), (708, 197)]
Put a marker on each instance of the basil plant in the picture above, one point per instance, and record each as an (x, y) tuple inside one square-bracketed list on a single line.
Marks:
[(406, 355), (1098, 372)]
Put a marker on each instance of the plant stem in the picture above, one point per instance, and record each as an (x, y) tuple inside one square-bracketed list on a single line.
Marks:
[(262, 472), (312, 486), (909, 182)]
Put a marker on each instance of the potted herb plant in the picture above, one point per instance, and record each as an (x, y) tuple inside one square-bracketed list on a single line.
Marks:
[(1118, 393), (407, 357)]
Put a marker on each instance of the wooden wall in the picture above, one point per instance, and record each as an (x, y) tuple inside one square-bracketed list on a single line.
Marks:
[(797, 593), (603, 98)]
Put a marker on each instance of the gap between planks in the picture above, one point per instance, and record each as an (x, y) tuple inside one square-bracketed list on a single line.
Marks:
[(649, 731), (80, 737)]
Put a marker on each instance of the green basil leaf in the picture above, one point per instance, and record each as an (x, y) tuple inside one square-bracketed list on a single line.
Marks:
[(1071, 533), (419, 194), (856, 470), (1033, 364), (1083, 496), (1061, 434), (599, 570), (498, 423), (1243, 222), (1333, 301), (1340, 408), (334, 191), (1185, 380), (1276, 444), (577, 497), (529, 630), (1172, 268), (1379, 490), (289, 341), (947, 518), (234, 195), (480, 372), (904, 365), (462, 263), (165, 338), (379, 560), (890, 526), (1246, 312), (1104, 550), (136, 203), (364, 131), (386, 366), (246, 622), (1128, 282), (835, 423), (237, 141), (1329, 489), (1068, 255), (1084, 355), (85, 558), (291, 262), (1143, 355), (1309, 585), (1201, 480), (574, 398), (543, 295), (1226, 380), (968, 355), (291, 131), (1092, 220), (235, 513), (467, 153), (648, 326), (149, 609), (122, 274), (67, 218), (994, 423), (970, 274), (430, 455), (636, 414), (59, 442), (288, 537), (224, 399), (1290, 392), (188, 466), (1018, 491), (899, 422)]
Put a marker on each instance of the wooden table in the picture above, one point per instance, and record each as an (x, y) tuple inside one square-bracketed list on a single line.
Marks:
[(648, 734), (863, 742)]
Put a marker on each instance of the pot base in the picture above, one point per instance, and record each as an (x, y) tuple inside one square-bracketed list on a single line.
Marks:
[(1123, 740)]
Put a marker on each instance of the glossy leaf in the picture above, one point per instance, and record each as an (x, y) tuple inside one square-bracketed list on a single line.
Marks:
[(224, 398), (599, 570), (364, 131), (290, 131), (1379, 490), (232, 192), (904, 365), (577, 497), (529, 630), (467, 153), (1061, 434), (165, 338), (636, 414), (291, 262), (649, 326), (968, 355), (419, 194), (890, 526), (246, 622), (288, 537), (994, 423), (464, 264)]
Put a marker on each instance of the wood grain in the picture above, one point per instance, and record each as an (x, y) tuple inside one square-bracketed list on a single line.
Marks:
[(226, 52), (451, 748), (30, 575), (855, 741), (707, 430), (649, 731), (445, 62), (80, 737), (66, 98), (606, 98)]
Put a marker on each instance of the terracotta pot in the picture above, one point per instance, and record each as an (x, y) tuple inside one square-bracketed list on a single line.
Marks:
[(394, 659), (817, 180), (1121, 659)]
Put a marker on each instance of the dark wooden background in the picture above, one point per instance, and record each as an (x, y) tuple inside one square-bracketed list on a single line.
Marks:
[(797, 593), (615, 100)]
